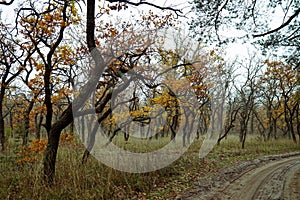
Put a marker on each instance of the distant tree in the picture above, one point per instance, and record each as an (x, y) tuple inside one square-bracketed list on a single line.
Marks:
[(231, 100), (271, 103), (13, 60), (247, 94), (286, 103)]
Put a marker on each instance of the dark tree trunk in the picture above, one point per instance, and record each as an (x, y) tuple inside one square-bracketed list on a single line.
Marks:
[(297, 120), (85, 156), (288, 117), (38, 125), (275, 128), (93, 130), (2, 128), (48, 101), (11, 124), (92, 137), (2, 132), (85, 92), (52, 145), (291, 128), (27, 122), (26, 130), (229, 124), (244, 140), (252, 123), (243, 133)]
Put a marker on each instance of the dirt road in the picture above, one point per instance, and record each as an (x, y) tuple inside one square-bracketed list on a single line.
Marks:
[(273, 177)]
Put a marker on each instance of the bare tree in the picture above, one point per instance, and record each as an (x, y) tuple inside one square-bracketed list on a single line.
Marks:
[(247, 95)]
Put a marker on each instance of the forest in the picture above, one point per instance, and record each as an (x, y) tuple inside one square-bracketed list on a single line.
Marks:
[(117, 99)]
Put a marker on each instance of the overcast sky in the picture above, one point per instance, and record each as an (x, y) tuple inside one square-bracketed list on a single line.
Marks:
[(233, 50)]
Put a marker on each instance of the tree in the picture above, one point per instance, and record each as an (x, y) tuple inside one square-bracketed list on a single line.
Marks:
[(49, 67), (271, 103), (32, 97), (231, 100), (242, 97), (253, 21), (248, 95), (45, 29), (286, 103), (86, 90), (13, 60)]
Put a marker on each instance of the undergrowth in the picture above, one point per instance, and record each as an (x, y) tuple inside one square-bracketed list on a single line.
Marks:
[(93, 180)]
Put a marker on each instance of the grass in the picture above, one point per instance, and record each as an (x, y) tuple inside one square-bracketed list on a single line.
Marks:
[(97, 181)]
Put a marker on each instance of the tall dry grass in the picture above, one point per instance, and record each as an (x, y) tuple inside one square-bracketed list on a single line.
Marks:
[(94, 180)]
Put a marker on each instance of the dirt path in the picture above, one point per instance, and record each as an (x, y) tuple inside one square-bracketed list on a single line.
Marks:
[(273, 177)]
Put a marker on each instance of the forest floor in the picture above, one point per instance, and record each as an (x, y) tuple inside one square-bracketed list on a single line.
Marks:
[(218, 176), (270, 177)]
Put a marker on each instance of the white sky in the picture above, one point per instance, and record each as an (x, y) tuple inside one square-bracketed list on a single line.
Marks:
[(233, 50)]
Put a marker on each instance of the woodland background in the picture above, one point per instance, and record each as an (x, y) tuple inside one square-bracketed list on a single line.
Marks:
[(46, 46)]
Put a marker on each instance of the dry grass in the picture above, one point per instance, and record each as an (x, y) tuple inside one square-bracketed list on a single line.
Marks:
[(97, 181)]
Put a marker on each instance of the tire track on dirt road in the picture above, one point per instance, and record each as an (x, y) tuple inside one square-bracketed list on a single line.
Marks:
[(272, 181), (272, 177)]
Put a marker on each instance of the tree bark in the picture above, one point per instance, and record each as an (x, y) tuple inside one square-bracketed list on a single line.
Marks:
[(38, 124), (27, 122), (52, 145), (48, 101), (2, 131), (2, 128)]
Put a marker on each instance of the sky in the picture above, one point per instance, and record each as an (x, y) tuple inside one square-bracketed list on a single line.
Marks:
[(232, 50)]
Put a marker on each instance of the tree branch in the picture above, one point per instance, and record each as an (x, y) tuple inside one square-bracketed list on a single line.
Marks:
[(217, 19), (6, 3), (280, 27), (142, 2)]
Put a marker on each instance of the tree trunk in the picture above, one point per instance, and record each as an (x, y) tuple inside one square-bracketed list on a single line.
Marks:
[(241, 131), (297, 120), (252, 123), (11, 124), (85, 156), (291, 128), (2, 131), (26, 129), (27, 122), (38, 125), (85, 92), (2, 128), (244, 139), (243, 134), (48, 101), (289, 123), (52, 145), (275, 128)]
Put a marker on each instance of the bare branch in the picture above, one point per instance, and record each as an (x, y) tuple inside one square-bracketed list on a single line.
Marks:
[(253, 11), (280, 27), (142, 2), (217, 18), (287, 10), (6, 3)]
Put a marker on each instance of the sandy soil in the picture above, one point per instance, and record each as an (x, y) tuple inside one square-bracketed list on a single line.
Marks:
[(272, 177)]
